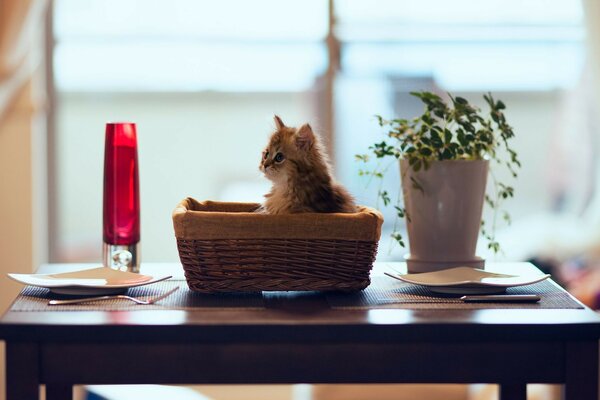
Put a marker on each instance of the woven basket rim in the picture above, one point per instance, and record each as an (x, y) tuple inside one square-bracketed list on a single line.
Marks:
[(227, 220), (190, 205)]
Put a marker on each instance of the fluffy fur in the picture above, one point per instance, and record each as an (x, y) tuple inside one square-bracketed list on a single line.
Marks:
[(302, 181)]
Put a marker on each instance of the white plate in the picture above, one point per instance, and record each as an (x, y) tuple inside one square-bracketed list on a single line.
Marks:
[(95, 281), (467, 280)]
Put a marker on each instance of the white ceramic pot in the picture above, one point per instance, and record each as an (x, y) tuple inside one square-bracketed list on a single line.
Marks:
[(444, 213)]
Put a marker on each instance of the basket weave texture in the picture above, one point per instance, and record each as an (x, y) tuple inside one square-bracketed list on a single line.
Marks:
[(228, 247)]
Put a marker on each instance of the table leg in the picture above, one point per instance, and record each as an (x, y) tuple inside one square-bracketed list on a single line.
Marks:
[(59, 391), (22, 371), (513, 391), (581, 381)]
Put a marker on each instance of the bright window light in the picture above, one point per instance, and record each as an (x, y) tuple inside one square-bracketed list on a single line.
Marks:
[(189, 45)]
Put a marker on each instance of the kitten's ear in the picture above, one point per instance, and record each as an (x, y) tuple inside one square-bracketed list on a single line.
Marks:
[(278, 122), (305, 137)]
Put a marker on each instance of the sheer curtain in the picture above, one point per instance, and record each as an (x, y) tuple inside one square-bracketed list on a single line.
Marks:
[(22, 136), (20, 22), (22, 187), (22, 139)]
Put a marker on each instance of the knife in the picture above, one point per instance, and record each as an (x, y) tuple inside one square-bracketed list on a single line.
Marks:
[(516, 298)]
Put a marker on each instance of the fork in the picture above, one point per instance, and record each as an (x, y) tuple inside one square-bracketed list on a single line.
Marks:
[(119, 296)]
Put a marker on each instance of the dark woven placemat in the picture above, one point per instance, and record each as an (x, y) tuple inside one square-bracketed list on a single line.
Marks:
[(36, 299), (385, 292)]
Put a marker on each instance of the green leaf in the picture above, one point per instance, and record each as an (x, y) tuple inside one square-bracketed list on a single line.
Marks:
[(437, 143), (382, 149), (462, 139), (447, 154), (383, 194), (440, 113), (506, 217), (426, 151), (398, 238), (400, 212), (447, 136), (494, 246)]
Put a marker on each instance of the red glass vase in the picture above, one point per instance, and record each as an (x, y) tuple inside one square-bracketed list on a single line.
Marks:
[(121, 207)]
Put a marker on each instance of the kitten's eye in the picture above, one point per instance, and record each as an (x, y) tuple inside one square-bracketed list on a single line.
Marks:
[(279, 157), (265, 155)]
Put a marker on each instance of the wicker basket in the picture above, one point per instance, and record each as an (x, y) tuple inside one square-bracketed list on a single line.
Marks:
[(227, 247)]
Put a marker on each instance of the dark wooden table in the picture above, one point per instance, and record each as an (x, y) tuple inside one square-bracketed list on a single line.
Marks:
[(299, 339)]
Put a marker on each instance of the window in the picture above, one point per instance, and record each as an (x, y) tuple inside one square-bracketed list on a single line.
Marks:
[(202, 80)]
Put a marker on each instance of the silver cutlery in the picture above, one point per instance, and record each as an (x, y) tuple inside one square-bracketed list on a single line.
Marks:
[(512, 298), (146, 301)]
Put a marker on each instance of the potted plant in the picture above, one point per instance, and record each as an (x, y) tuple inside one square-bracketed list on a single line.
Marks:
[(445, 156)]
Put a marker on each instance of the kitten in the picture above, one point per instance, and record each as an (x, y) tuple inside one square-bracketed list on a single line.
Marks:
[(301, 175)]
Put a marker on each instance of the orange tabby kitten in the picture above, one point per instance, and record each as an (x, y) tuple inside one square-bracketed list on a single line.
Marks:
[(301, 175)]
